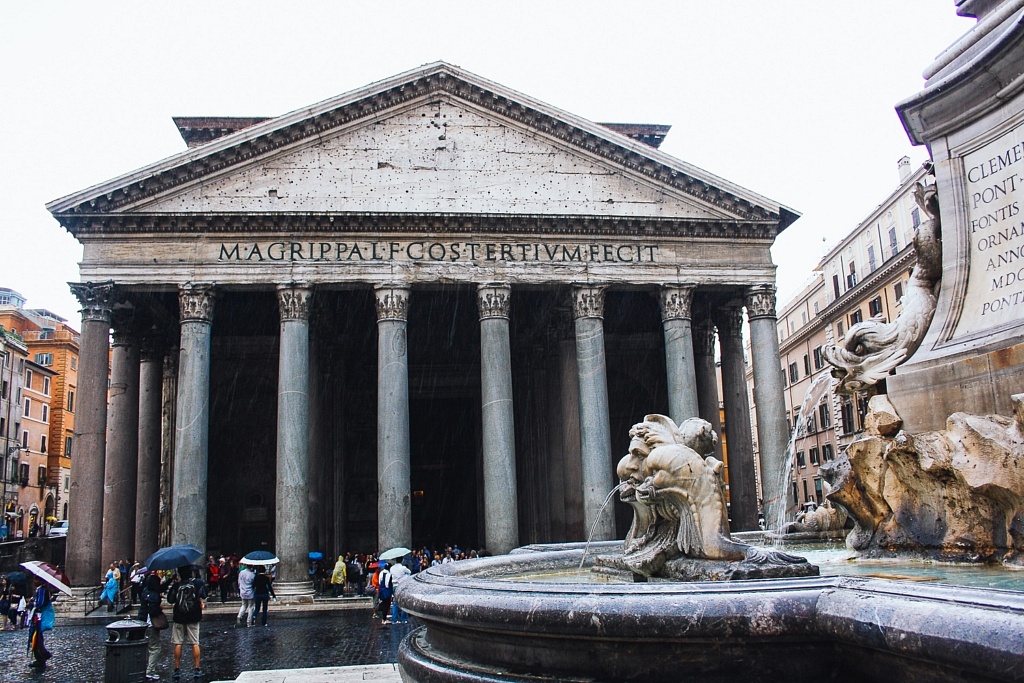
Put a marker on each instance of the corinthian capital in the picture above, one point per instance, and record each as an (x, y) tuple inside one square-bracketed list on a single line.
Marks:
[(124, 331), (96, 298), (704, 337), (493, 301), (196, 303), (729, 320), (588, 301), (293, 301), (675, 302), (761, 302), (392, 302)]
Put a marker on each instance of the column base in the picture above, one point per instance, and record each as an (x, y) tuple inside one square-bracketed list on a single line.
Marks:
[(294, 592)]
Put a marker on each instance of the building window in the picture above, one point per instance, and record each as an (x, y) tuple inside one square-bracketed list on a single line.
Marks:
[(41, 474), (794, 373), (42, 443), (785, 382), (813, 455), (71, 400), (24, 440), (804, 482), (915, 217), (851, 279), (817, 490), (800, 460), (810, 425), (855, 317), (46, 413), (4, 390), (893, 246), (28, 407), (68, 442), (23, 472), (826, 452), (862, 407), (67, 483), (847, 413), (839, 329), (897, 289), (74, 362), (819, 357), (795, 499), (823, 415), (807, 365), (835, 286), (872, 264), (28, 379), (803, 317), (46, 386), (875, 306), (44, 359)]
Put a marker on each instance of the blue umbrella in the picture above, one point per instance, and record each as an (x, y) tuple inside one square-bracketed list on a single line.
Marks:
[(173, 556), (260, 558), (315, 555)]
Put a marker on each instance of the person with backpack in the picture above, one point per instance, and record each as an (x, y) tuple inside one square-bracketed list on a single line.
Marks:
[(385, 592), (150, 612), (187, 596)]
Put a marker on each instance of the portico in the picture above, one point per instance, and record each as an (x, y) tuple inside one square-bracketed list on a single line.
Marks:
[(424, 311)]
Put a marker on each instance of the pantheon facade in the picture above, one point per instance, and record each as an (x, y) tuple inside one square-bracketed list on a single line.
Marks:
[(420, 312)]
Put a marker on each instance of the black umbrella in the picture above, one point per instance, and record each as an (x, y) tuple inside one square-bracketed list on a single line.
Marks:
[(173, 556), (19, 578)]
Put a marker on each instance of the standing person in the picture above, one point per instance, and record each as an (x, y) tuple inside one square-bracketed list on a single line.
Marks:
[(226, 576), (187, 597), (338, 577), (41, 621), (150, 612), (212, 575), (262, 591), (109, 595), (136, 580), (245, 579), (399, 573), (385, 592), (5, 601)]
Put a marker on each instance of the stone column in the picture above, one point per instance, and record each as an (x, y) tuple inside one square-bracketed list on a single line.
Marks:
[(501, 520), (147, 505), (292, 529), (739, 441), (192, 417), (394, 508), (84, 558), (769, 400), (168, 409), (595, 432), (122, 464), (679, 361), (706, 376)]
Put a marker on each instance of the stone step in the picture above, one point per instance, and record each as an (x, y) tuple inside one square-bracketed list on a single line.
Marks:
[(387, 673)]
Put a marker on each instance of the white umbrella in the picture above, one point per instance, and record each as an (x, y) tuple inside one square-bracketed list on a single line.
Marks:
[(48, 573), (394, 553)]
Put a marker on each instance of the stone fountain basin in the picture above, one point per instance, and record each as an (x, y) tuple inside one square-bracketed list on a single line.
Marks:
[(478, 625)]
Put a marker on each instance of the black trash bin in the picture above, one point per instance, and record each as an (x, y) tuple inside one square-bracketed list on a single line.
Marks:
[(126, 652)]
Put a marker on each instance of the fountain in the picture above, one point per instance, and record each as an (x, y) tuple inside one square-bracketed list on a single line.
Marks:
[(677, 600)]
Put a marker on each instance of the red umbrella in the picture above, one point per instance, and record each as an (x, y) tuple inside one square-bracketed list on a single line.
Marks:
[(49, 573)]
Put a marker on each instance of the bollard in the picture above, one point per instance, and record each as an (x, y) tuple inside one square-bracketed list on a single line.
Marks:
[(126, 652)]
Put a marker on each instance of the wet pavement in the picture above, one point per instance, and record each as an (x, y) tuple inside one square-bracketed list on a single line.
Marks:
[(352, 637)]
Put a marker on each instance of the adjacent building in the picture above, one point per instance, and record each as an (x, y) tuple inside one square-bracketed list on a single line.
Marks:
[(42, 418)]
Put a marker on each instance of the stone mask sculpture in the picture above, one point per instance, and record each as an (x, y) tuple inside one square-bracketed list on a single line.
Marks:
[(680, 518)]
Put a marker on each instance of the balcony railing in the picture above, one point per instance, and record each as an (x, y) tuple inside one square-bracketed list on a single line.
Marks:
[(50, 335)]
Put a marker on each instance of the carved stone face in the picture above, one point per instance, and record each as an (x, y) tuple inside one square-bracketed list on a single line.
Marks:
[(631, 467)]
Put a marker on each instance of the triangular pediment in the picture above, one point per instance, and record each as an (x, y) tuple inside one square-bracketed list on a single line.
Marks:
[(433, 141)]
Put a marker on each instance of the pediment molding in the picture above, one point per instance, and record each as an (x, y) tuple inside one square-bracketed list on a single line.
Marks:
[(84, 210)]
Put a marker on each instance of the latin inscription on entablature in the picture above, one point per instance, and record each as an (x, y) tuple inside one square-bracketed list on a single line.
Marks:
[(436, 250)]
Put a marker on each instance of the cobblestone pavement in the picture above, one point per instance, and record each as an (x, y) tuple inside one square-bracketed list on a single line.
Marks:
[(341, 639)]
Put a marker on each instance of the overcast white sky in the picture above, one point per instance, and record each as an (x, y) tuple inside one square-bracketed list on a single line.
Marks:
[(791, 99)]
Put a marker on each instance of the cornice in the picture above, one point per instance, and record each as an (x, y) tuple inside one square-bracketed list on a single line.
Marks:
[(421, 84), (98, 225)]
